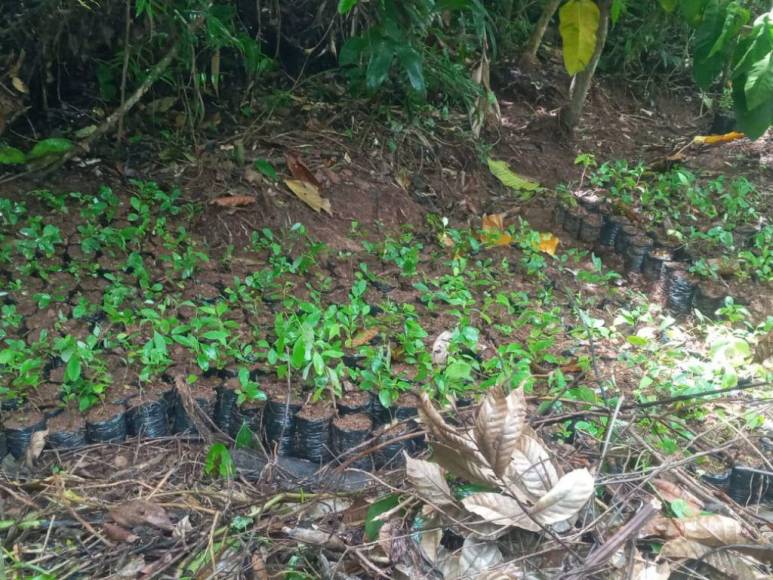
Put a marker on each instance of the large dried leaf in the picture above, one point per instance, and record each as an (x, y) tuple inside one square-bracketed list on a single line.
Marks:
[(671, 492), (494, 234), (429, 482), (728, 562), (531, 467), (436, 425), (440, 348), (139, 512), (478, 555), (566, 498), (465, 465), (299, 170), (498, 427), (499, 509), (233, 200), (712, 530), (308, 193)]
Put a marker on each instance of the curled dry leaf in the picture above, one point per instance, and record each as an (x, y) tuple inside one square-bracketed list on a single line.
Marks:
[(440, 348), (35, 447), (499, 425), (429, 482), (712, 530), (727, 562), (118, 534), (138, 512), (308, 193), (531, 468), (299, 170), (19, 85), (316, 537), (462, 464), (566, 498), (233, 201)]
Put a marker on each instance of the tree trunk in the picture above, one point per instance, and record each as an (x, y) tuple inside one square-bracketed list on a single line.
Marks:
[(572, 111), (529, 56)]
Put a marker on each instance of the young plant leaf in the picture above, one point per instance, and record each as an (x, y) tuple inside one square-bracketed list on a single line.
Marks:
[(52, 146), (345, 6), (372, 523), (12, 156)]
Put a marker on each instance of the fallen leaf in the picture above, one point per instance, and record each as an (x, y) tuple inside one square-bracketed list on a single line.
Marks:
[(440, 348), (499, 425), (133, 568), (308, 193), (429, 482), (253, 176), (299, 171), (182, 528), (35, 448), (19, 85), (715, 139), (365, 336), (494, 233), (501, 170), (548, 243), (233, 201), (258, 567), (712, 530), (139, 512), (671, 492), (119, 534)]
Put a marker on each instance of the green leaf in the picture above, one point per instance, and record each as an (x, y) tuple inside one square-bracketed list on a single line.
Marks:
[(458, 371), (379, 64), (669, 5), (219, 460), (352, 50), (372, 525), (692, 10), (735, 17), (73, 369), (244, 437), (266, 169), (752, 122), (754, 47), (578, 23), (637, 340), (345, 6), (298, 356), (759, 82), (616, 10), (52, 146), (501, 170), (411, 61), (12, 156)]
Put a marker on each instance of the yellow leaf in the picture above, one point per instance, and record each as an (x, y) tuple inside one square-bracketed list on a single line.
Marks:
[(308, 193), (494, 234), (714, 139), (548, 243), (19, 85)]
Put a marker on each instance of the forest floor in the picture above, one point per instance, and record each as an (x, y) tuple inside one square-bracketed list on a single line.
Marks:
[(163, 276)]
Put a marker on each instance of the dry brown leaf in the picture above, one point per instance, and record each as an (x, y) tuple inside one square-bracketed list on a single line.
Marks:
[(233, 201), (299, 171), (500, 510), (316, 537), (508, 571), (712, 530), (118, 534), (462, 465), (139, 512), (566, 498), (35, 447), (365, 336), (531, 468), (308, 193), (499, 425), (252, 176), (258, 567), (669, 492), (440, 348), (548, 243), (429, 482), (478, 555), (728, 562)]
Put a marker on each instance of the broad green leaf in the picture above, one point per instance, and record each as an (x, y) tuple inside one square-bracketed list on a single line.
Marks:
[(669, 5), (756, 46), (73, 369), (411, 61), (352, 50), (458, 371), (501, 170), (266, 169), (11, 156), (735, 17), (578, 23), (759, 82), (298, 357), (345, 6), (753, 122), (372, 525), (692, 10), (707, 64), (52, 146), (383, 53)]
